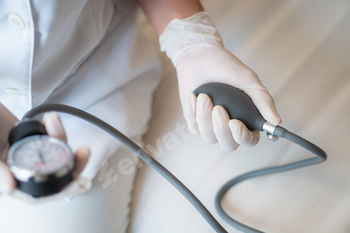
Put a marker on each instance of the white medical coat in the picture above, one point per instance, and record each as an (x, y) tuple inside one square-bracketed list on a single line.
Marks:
[(84, 53)]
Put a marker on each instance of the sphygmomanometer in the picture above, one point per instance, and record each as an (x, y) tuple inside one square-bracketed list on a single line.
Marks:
[(43, 165)]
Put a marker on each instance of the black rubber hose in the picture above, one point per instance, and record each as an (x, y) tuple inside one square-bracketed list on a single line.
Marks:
[(283, 133), (137, 150)]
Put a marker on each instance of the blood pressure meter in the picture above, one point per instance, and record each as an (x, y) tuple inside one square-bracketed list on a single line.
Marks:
[(41, 165), (44, 165)]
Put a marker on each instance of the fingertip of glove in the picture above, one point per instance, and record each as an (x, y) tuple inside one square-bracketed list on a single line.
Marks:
[(230, 148), (236, 129), (189, 112), (203, 96), (209, 138), (274, 119), (242, 135), (192, 126), (219, 115), (194, 129), (278, 120), (234, 124), (190, 98), (189, 108)]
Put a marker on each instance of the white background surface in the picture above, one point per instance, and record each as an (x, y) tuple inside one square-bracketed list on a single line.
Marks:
[(301, 51)]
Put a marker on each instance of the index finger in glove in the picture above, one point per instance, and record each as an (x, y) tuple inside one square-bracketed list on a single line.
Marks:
[(190, 112), (264, 102), (242, 135), (221, 128), (204, 118)]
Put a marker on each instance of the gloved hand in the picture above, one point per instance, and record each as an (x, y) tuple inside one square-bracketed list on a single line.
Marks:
[(196, 50), (79, 184)]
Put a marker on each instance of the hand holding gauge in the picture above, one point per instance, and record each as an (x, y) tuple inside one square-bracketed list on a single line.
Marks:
[(42, 165), (39, 158)]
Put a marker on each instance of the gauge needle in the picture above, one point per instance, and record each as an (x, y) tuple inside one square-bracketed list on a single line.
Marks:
[(40, 154)]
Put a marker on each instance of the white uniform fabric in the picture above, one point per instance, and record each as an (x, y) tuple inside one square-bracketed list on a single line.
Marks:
[(88, 54), (300, 49), (77, 53)]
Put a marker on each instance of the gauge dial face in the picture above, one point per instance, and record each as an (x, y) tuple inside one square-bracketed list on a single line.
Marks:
[(42, 154)]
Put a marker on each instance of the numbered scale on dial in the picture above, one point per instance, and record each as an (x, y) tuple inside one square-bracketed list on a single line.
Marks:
[(42, 165)]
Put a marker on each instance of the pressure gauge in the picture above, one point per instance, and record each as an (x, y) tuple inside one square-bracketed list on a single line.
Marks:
[(42, 165)]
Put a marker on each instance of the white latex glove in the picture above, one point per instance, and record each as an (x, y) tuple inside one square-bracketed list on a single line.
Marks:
[(196, 50), (79, 184)]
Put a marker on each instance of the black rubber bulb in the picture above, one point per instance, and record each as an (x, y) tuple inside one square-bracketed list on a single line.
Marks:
[(237, 103)]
